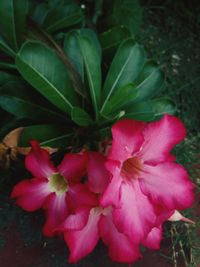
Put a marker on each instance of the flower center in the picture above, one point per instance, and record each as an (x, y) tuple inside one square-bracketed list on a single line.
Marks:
[(57, 183), (131, 168)]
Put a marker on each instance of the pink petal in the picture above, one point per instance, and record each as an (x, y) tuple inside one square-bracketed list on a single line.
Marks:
[(73, 167), (82, 242), (160, 137), (111, 195), (56, 212), (77, 220), (38, 161), (167, 184), (98, 176), (78, 195), (136, 215), (31, 194), (127, 139), (120, 247), (177, 216), (163, 214), (154, 238)]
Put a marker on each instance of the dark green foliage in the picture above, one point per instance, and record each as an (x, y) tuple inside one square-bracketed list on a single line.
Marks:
[(127, 13), (13, 21)]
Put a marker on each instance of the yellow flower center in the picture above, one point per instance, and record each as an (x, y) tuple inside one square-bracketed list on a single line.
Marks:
[(58, 183)]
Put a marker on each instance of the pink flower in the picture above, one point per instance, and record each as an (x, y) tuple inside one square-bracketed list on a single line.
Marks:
[(56, 189), (83, 229), (147, 186)]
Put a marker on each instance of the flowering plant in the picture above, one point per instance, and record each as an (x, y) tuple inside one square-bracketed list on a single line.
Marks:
[(100, 140), (122, 200)]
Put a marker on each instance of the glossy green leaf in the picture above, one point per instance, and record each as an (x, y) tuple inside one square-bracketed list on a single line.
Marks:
[(62, 16), (6, 48), (150, 110), (125, 68), (113, 37), (91, 35), (25, 109), (150, 81), (120, 98), (47, 135), (44, 70), (12, 85), (92, 63), (13, 21), (72, 50), (81, 117)]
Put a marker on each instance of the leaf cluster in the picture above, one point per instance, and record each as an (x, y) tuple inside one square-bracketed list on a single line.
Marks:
[(65, 80)]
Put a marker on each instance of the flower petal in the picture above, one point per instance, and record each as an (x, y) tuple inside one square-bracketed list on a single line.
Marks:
[(167, 184), (111, 194), (78, 195), (162, 213), (136, 216), (56, 212), (31, 194), (77, 220), (120, 247), (160, 137), (82, 242), (73, 166), (127, 139), (38, 161), (154, 238), (98, 176)]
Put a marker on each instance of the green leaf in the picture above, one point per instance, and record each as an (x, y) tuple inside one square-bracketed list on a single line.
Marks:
[(40, 12), (150, 81), (44, 70), (163, 106), (125, 12), (120, 98), (125, 68), (13, 21), (62, 16), (72, 50), (113, 37), (47, 134), (25, 109), (150, 110), (81, 117), (91, 35), (7, 77), (7, 66), (6, 48), (92, 62)]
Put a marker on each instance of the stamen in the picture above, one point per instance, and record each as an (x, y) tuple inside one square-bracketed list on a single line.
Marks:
[(58, 183)]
